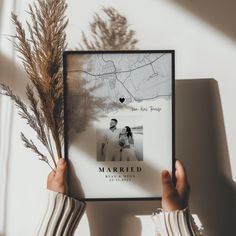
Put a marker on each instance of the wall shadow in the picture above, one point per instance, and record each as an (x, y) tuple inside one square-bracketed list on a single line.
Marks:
[(13, 76), (201, 144), (219, 14), (118, 218)]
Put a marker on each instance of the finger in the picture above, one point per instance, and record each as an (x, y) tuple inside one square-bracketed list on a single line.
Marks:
[(181, 177), (167, 184), (61, 169), (180, 170), (51, 175)]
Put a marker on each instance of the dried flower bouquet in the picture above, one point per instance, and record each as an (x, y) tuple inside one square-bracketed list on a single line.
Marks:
[(42, 57)]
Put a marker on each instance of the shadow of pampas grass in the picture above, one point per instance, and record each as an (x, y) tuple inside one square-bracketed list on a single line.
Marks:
[(83, 106), (109, 31)]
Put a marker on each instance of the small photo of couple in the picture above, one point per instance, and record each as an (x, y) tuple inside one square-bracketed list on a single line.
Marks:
[(121, 141)]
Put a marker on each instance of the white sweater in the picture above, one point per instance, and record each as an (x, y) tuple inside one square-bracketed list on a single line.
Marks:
[(64, 213)]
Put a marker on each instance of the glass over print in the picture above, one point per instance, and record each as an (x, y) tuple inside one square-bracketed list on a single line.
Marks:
[(119, 122)]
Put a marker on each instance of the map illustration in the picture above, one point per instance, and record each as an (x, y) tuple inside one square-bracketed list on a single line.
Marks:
[(129, 77)]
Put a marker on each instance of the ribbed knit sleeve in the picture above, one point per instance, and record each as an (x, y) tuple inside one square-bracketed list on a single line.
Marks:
[(62, 215), (174, 223)]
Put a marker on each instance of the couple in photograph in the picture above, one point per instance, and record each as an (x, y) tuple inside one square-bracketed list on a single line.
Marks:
[(118, 145)]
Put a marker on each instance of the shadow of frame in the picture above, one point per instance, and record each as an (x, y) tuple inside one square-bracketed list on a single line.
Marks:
[(201, 144)]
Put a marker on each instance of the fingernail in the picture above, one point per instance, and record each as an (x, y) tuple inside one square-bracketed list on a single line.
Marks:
[(165, 173), (61, 161)]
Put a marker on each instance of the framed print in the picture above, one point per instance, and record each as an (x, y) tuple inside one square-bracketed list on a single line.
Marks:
[(119, 122)]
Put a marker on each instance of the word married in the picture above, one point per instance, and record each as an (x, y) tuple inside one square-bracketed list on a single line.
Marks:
[(119, 169)]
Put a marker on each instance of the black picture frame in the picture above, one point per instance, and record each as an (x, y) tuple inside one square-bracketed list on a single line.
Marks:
[(66, 138)]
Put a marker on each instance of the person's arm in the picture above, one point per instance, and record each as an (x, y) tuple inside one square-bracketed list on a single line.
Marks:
[(104, 141), (131, 141), (174, 219), (102, 149), (63, 212)]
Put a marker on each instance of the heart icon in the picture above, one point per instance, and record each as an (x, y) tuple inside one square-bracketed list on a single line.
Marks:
[(122, 100)]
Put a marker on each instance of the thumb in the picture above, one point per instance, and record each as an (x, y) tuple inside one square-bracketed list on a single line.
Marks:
[(51, 175), (181, 177), (61, 169), (167, 184)]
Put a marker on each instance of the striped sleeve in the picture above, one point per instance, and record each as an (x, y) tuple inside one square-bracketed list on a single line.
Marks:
[(174, 223), (62, 215)]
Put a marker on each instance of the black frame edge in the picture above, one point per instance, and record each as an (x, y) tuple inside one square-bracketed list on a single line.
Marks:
[(69, 52)]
